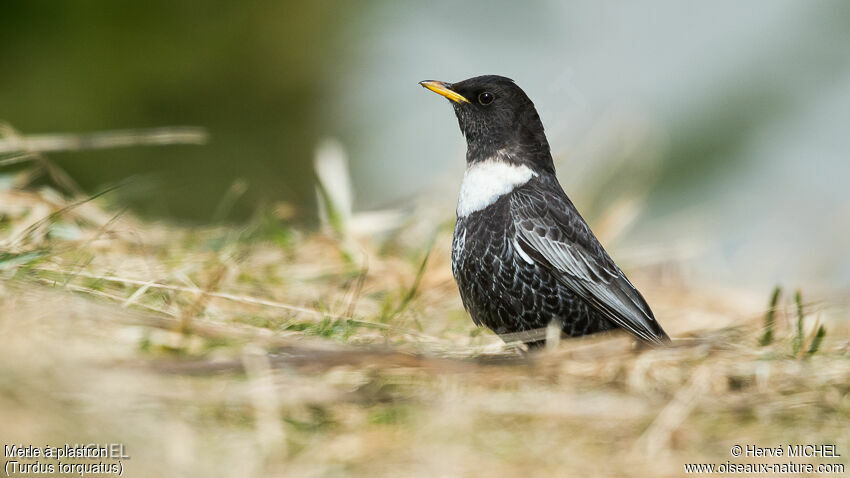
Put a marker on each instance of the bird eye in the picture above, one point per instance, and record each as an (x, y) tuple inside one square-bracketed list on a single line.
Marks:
[(486, 98)]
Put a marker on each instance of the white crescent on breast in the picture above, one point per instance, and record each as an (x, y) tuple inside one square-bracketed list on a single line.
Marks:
[(485, 181)]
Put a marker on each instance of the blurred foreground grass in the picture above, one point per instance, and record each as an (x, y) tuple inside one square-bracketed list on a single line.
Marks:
[(267, 350)]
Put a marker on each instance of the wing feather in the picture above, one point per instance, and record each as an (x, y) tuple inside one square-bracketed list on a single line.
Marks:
[(554, 233)]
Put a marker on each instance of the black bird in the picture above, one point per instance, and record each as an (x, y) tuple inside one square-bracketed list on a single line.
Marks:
[(522, 255)]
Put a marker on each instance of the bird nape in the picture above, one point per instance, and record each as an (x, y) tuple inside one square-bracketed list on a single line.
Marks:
[(522, 255)]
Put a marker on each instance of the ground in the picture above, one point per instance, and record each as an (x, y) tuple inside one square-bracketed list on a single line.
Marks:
[(268, 349)]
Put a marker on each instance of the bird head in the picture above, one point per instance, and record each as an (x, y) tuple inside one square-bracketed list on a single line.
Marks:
[(498, 120)]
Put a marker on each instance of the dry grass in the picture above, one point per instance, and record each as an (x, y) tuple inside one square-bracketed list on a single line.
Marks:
[(267, 351)]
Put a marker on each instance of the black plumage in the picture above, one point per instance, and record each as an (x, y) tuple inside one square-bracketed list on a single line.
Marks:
[(522, 255)]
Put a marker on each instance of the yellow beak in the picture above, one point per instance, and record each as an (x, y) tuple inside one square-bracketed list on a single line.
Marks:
[(444, 89)]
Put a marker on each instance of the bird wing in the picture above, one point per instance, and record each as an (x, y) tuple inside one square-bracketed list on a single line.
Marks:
[(550, 230)]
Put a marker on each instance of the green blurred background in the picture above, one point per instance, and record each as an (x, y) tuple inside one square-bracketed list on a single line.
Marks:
[(726, 123), (248, 72)]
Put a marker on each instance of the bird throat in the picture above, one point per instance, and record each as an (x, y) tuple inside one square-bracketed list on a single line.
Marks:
[(484, 182)]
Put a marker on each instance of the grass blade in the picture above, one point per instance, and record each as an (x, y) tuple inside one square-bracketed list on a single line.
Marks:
[(816, 341), (797, 342), (770, 318)]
